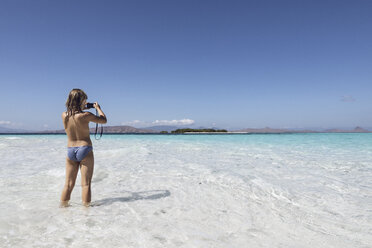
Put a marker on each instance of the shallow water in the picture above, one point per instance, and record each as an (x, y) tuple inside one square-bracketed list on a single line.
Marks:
[(292, 190)]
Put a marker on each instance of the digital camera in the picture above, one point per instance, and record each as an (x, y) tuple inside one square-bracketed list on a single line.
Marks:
[(90, 105)]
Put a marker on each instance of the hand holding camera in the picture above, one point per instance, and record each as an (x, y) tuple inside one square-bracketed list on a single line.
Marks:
[(98, 113), (89, 105), (93, 105)]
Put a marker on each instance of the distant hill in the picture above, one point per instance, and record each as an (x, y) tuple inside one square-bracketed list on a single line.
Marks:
[(124, 129), (11, 130), (158, 129), (355, 130), (110, 129)]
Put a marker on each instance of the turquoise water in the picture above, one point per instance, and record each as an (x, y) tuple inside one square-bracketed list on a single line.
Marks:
[(285, 190)]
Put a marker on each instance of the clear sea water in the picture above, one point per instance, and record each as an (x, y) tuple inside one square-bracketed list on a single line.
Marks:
[(289, 190)]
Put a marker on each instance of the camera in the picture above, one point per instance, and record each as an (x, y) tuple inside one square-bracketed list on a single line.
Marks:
[(90, 105)]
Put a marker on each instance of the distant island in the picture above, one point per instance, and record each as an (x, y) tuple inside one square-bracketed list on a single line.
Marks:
[(205, 130), (177, 130)]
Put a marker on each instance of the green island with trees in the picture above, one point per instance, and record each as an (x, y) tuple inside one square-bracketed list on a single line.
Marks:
[(206, 130)]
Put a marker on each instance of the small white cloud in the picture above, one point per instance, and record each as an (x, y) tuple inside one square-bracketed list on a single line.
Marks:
[(45, 125), (174, 122), (347, 99), (5, 122)]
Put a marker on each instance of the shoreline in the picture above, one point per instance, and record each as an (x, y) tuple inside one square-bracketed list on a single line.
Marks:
[(194, 133)]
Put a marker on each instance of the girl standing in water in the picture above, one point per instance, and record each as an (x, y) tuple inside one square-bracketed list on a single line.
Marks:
[(79, 145)]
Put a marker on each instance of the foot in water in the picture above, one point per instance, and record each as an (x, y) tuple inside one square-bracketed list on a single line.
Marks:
[(64, 204)]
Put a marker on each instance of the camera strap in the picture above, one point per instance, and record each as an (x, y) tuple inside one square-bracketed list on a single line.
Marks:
[(95, 135)]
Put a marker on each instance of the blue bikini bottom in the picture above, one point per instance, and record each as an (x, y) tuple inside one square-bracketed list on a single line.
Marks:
[(78, 153)]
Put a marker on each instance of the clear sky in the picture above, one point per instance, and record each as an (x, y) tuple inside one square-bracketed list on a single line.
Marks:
[(229, 64)]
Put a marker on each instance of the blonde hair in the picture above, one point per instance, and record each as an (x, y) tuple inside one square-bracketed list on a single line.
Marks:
[(74, 101)]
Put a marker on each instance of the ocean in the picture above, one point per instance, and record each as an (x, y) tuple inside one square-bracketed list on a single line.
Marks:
[(238, 190)]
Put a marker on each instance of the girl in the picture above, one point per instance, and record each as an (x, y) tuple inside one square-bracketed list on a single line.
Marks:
[(79, 145)]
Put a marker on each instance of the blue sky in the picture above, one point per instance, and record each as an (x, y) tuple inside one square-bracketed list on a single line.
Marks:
[(229, 64)]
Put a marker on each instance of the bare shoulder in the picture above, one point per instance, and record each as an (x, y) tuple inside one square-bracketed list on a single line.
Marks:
[(93, 118), (88, 115), (64, 115)]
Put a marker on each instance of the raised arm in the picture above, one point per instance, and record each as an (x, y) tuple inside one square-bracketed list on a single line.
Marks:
[(101, 119)]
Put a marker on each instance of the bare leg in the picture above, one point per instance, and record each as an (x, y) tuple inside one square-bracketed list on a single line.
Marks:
[(72, 169), (86, 169)]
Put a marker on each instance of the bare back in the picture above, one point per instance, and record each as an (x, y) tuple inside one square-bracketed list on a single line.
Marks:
[(77, 129)]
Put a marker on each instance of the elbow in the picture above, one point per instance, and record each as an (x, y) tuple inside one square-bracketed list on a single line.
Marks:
[(104, 121)]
